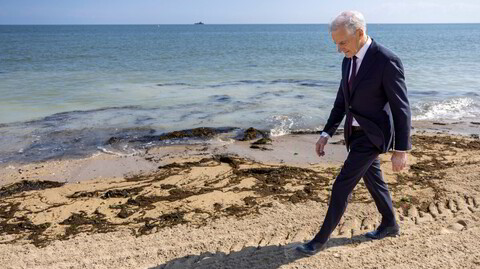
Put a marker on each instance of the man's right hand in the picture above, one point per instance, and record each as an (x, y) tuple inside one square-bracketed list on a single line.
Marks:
[(319, 147)]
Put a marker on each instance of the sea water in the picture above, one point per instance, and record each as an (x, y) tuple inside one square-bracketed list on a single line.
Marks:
[(65, 90)]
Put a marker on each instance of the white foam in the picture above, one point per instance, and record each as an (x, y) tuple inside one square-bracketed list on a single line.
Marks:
[(222, 140), (452, 109), (284, 126), (116, 153)]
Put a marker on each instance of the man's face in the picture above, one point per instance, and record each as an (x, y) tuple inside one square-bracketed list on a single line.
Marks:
[(346, 42)]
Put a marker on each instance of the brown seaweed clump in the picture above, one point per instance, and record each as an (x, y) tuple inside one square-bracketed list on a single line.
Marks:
[(81, 222), (28, 185), (251, 134), (200, 133), (21, 226)]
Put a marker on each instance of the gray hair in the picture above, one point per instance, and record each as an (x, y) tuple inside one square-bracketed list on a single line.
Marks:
[(351, 20)]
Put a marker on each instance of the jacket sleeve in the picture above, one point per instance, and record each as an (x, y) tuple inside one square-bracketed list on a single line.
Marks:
[(396, 91), (337, 114)]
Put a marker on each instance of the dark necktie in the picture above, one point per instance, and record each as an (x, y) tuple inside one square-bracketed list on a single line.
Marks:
[(352, 76), (350, 86)]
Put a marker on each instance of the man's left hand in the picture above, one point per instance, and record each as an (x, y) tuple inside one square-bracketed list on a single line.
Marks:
[(399, 161)]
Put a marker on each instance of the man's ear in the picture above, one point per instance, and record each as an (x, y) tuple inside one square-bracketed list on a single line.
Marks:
[(360, 33)]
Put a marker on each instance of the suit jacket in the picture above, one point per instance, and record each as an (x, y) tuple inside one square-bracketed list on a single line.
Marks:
[(378, 100)]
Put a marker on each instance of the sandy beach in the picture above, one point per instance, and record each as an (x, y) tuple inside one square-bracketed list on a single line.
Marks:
[(228, 205)]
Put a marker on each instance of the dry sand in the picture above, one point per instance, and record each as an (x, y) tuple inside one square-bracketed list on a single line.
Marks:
[(225, 205)]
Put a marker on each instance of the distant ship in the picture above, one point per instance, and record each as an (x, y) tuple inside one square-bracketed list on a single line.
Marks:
[(199, 23)]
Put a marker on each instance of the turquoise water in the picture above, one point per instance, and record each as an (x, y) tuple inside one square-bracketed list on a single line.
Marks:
[(87, 83)]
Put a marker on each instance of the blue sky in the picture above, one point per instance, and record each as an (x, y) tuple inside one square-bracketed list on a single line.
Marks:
[(232, 12)]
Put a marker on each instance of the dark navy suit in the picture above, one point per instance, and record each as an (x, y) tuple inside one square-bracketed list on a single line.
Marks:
[(378, 101)]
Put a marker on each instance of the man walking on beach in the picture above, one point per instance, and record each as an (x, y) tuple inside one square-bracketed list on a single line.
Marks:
[(373, 96)]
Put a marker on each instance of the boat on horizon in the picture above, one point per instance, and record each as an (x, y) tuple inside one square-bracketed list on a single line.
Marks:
[(199, 23)]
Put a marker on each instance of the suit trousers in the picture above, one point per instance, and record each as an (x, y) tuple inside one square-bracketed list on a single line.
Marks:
[(362, 161)]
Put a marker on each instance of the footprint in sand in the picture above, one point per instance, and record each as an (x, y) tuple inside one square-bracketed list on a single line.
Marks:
[(350, 227), (457, 226), (472, 205), (369, 223), (447, 210)]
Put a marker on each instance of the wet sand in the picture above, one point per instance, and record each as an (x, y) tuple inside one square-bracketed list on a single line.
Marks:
[(228, 205)]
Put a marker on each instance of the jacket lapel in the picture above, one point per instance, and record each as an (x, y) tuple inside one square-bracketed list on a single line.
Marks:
[(367, 62)]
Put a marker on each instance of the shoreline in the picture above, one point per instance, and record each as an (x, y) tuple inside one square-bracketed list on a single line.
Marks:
[(146, 138), (105, 164)]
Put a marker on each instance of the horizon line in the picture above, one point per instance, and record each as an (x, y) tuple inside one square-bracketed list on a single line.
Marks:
[(111, 24)]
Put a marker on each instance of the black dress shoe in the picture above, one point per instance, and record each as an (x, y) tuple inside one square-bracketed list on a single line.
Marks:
[(383, 232), (310, 248)]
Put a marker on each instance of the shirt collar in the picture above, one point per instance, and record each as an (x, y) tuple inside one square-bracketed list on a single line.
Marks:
[(361, 53)]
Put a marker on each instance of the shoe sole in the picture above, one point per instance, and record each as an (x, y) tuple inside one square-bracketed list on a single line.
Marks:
[(304, 253), (388, 235), (309, 253)]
